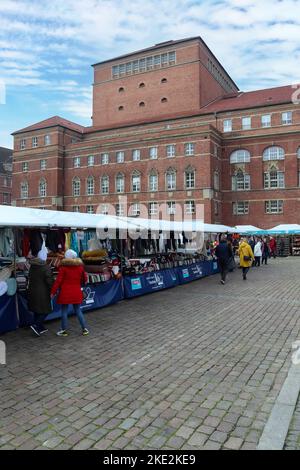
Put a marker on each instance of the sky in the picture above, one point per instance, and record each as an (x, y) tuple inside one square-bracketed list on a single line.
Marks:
[(47, 47)]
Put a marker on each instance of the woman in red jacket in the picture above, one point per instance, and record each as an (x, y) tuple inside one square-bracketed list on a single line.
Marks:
[(71, 276)]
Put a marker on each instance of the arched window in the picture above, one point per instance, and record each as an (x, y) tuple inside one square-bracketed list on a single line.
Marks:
[(153, 180), (105, 185), (90, 186), (136, 182), (171, 179), (189, 175), (76, 186), (240, 156), (24, 190), (273, 153), (42, 188), (120, 183)]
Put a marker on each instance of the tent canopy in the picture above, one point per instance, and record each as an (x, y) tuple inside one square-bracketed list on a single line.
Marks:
[(248, 230), (285, 229)]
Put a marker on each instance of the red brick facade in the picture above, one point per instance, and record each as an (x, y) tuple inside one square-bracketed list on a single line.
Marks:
[(200, 96), (5, 175)]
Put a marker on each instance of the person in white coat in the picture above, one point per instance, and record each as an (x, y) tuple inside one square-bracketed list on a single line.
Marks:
[(258, 252)]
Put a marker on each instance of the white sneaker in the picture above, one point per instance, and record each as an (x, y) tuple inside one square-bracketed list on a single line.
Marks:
[(62, 333)]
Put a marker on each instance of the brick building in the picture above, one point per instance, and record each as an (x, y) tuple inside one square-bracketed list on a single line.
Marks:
[(169, 126), (6, 160)]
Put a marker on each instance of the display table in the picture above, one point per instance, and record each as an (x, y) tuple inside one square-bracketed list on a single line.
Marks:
[(99, 295), (149, 282), (8, 314), (193, 272)]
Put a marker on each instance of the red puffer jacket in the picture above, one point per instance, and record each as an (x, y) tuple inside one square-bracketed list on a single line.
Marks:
[(71, 277)]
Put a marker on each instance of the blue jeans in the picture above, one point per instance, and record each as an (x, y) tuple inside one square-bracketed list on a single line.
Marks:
[(64, 316)]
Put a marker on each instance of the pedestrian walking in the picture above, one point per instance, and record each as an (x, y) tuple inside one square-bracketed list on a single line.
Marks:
[(39, 289), (265, 252), (273, 247), (224, 255), (71, 277), (258, 253), (246, 257)]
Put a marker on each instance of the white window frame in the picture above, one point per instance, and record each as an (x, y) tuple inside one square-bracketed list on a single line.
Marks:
[(266, 122), (240, 208), (136, 155), (43, 164), (34, 142), (190, 207), (104, 158), (189, 149), (120, 156), (171, 150), (24, 190), (153, 182), (47, 139), (25, 167), (90, 209), (42, 188), (241, 182), (227, 125), (171, 180), (274, 179), (136, 183), (104, 184), (76, 186), (76, 162), (240, 156), (22, 144), (171, 207), (90, 186), (75, 209), (190, 179), (273, 153), (120, 183), (104, 209), (153, 153), (153, 208), (287, 118), (135, 209), (246, 123), (91, 160), (274, 206)]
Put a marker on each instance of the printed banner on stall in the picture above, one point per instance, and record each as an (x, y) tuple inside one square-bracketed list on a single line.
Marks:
[(149, 282), (8, 314), (192, 272)]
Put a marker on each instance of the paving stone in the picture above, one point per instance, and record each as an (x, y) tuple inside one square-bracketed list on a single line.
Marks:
[(233, 443)]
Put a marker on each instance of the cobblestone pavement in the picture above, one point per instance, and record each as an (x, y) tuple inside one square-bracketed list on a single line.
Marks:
[(293, 438), (195, 367)]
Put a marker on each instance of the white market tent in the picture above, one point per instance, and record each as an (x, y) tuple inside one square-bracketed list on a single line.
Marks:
[(26, 217), (248, 230), (285, 229), (178, 226)]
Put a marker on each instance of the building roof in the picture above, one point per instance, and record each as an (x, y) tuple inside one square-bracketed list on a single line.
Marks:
[(5, 159), (52, 122), (251, 99)]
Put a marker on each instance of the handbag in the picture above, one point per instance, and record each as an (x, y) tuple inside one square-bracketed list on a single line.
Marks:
[(247, 258)]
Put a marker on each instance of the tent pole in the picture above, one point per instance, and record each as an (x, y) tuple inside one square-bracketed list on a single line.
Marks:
[(15, 273)]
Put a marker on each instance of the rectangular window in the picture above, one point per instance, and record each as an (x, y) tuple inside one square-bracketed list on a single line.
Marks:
[(120, 210), (190, 179), (47, 140), (25, 166), (136, 155), (153, 153), (153, 183), (266, 120), (189, 149), (5, 182), (34, 142), (274, 207), (77, 162), (216, 207), (120, 184), (274, 180), (136, 184), (190, 207), (6, 198), (120, 156), (115, 71), (227, 125), (22, 144), (75, 209), (122, 69), (129, 68), (156, 61), (172, 58), (171, 206), (246, 123), (171, 151), (241, 182), (149, 63), (171, 181), (135, 209), (104, 158), (90, 209), (142, 65), (104, 209), (91, 160), (287, 118), (43, 164), (104, 185), (153, 208), (240, 208), (164, 59), (135, 66)]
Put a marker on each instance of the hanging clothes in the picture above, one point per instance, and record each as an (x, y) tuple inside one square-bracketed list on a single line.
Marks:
[(36, 242), (74, 242), (6, 236), (67, 241)]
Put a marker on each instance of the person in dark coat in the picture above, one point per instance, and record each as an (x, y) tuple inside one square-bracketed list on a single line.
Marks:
[(224, 254), (265, 252), (39, 289), (71, 277)]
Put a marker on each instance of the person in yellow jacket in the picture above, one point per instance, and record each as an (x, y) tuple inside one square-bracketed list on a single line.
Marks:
[(246, 257)]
